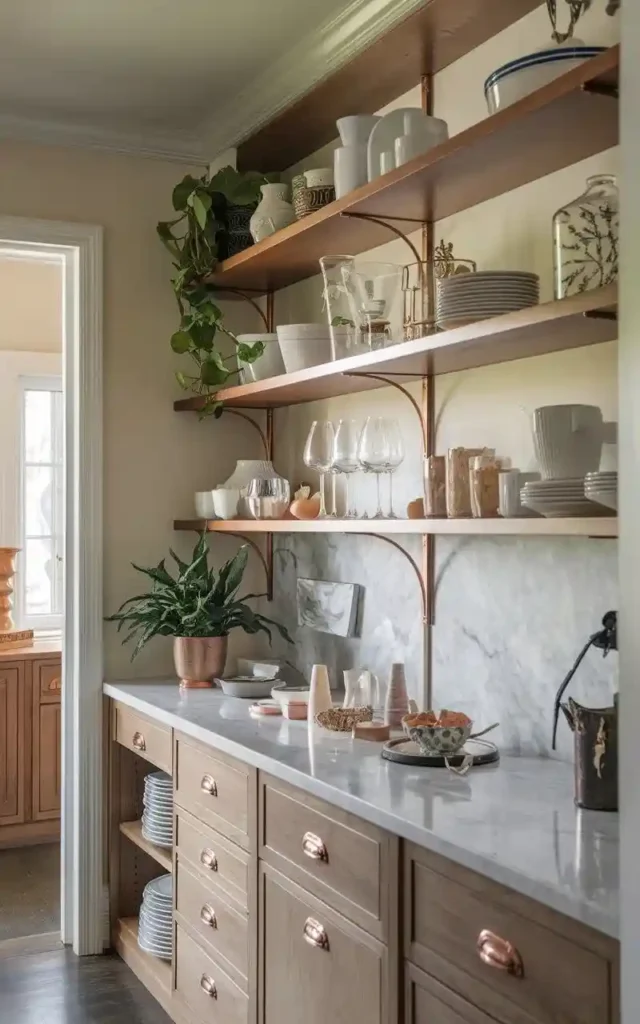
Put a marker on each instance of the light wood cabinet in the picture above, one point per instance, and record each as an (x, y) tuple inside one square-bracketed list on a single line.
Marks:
[(203, 985), (316, 965), (30, 745), (429, 1002), (12, 743)]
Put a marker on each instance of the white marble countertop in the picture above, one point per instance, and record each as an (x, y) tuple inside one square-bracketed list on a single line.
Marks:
[(514, 822)]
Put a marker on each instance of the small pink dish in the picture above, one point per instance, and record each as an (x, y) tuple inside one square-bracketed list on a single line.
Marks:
[(295, 710), (264, 708)]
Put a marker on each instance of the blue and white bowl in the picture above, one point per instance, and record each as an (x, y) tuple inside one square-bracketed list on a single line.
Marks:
[(518, 78)]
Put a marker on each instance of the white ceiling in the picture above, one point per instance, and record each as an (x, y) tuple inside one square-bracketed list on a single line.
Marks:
[(148, 69)]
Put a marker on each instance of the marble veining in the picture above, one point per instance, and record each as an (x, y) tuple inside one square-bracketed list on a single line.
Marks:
[(514, 822)]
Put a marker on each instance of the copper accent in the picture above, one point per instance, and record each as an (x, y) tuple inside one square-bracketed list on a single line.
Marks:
[(208, 985), (199, 660), (209, 860), (256, 426), (247, 298), (499, 953), (315, 934), (313, 847), (602, 89), (403, 391), (270, 316), (208, 916), (55, 685), (270, 436), (390, 227), (138, 741), (418, 574), (208, 785)]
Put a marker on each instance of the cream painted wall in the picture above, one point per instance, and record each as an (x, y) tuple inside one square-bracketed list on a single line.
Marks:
[(154, 458), (30, 305)]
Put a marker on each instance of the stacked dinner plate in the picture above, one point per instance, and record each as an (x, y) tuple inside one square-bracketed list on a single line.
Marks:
[(155, 924), (157, 817), (602, 488), (466, 298), (558, 498)]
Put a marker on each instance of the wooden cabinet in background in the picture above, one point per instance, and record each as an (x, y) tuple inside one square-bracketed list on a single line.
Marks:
[(30, 745)]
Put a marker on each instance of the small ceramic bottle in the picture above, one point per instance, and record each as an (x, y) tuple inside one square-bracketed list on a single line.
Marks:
[(397, 702), (273, 212), (320, 696)]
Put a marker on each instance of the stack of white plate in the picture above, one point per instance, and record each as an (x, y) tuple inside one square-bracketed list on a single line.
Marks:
[(155, 924), (466, 298), (558, 498), (602, 488), (157, 817)]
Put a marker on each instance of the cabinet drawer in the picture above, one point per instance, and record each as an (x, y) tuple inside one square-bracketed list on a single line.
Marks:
[(144, 736), (452, 915), (343, 860), (213, 788), (203, 985), (317, 966), (429, 1002), (213, 858), (223, 930), (47, 679)]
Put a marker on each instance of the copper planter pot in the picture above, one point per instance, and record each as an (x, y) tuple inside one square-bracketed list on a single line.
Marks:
[(199, 660)]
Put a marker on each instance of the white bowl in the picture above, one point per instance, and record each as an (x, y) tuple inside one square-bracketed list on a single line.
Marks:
[(246, 687), (511, 82), (303, 349), (290, 695), (269, 364), (225, 502), (203, 501)]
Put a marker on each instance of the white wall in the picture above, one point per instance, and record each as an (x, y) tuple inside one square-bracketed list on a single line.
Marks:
[(30, 304)]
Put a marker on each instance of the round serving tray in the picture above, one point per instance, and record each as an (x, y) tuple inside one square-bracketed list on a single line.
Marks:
[(404, 751)]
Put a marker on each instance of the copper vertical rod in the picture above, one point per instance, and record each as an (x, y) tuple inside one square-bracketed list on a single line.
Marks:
[(270, 453), (428, 419), (269, 435), (270, 316)]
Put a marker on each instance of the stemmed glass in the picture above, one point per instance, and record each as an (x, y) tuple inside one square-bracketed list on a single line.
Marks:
[(318, 455), (374, 453), (396, 457), (345, 457)]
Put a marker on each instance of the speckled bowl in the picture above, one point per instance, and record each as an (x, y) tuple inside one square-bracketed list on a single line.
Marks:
[(438, 739)]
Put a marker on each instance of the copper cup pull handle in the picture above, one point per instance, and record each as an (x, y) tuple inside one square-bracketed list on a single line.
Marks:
[(208, 785), (208, 916), (55, 685), (315, 934), (208, 985), (498, 953), (209, 859), (138, 741), (313, 847)]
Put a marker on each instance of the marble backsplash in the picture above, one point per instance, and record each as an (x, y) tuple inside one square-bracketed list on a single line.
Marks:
[(511, 616)]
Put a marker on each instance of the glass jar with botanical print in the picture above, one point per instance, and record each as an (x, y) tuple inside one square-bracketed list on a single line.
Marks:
[(585, 239)]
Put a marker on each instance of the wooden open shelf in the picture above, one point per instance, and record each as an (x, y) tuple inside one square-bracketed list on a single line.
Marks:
[(436, 35), (554, 127), (598, 526), (133, 831), (537, 330), (155, 974)]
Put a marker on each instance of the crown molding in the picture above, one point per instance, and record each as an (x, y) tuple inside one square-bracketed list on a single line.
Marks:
[(175, 146), (315, 57)]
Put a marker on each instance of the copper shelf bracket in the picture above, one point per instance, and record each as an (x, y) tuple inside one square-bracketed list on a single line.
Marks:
[(266, 565), (403, 391), (601, 89), (385, 224), (256, 426), (601, 314), (247, 298), (412, 563)]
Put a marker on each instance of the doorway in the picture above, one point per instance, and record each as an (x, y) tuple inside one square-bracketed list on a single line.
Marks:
[(51, 807)]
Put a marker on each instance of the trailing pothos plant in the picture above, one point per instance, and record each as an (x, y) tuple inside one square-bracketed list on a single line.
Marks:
[(196, 602), (193, 239)]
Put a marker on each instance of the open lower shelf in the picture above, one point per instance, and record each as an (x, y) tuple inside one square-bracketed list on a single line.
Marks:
[(556, 126), (133, 831), (155, 974), (598, 526), (576, 322)]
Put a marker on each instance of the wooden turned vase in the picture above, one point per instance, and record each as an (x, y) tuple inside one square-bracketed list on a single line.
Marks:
[(7, 573)]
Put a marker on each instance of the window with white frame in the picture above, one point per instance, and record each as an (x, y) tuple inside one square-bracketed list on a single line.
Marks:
[(40, 578)]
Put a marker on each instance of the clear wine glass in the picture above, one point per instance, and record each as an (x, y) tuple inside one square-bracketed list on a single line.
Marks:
[(345, 457), (318, 455), (374, 453), (396, 457)]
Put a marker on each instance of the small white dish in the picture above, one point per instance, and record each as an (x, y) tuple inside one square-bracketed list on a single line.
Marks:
[(225, 502), (284, 694), (203, 502), (246, 687)]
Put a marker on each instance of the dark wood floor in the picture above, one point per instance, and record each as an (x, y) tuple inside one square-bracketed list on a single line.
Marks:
[(60, 988)]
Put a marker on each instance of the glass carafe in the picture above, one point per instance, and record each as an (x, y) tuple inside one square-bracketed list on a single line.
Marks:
[(362, 303), (585, 239)]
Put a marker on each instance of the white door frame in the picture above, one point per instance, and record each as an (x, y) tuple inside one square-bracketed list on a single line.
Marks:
[(80, 246)]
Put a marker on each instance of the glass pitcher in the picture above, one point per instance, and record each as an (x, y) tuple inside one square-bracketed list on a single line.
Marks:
[(585, 239)]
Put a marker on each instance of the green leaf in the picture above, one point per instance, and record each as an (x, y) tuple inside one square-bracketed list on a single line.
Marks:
[(249, 353), (203, 335), (212, 373), (181, 342), (211, 311), (182, 381), (200, 209), (183, 190)]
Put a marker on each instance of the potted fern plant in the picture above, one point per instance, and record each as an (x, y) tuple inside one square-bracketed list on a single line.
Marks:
[(199, 608)]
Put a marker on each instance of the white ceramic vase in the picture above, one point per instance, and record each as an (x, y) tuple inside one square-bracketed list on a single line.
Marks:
[(272, 213), (247, 470), (568, 440), (350, 159), (320, 696)]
